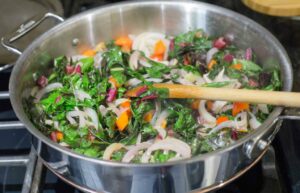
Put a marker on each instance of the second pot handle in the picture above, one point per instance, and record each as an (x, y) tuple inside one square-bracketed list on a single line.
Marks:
[(23, 30)]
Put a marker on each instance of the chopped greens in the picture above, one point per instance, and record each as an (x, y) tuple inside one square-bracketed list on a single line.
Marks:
[(81, 102)]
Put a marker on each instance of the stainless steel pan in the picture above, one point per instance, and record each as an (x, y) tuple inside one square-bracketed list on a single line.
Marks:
[(201, 173)]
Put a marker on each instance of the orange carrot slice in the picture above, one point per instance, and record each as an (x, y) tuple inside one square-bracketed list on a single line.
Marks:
[(89, 53), (237, 66), (122, 121), (159, 50), (125, 42), (211, 64), (195, 104), (148, 116), (222, 119), (114, 82), (59, 135), (239, 107)]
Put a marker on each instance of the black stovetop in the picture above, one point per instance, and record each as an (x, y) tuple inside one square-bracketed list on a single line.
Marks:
[(267, 176)]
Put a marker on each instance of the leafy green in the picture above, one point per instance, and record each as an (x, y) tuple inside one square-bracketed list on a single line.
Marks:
[(217, 84), (113, 57), (192, 69), (148, 130), (184, 122), (192, 41), (87, 64), (110, 121), (92, 152), (249, 66), (160, 156), (157, 70), (118, 155), (276, 82), (119, 76), (138, 111)]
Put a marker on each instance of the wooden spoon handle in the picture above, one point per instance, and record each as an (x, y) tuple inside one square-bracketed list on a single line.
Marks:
[(279, 98)]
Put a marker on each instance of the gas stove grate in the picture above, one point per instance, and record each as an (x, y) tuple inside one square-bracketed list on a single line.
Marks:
[(32, 163)]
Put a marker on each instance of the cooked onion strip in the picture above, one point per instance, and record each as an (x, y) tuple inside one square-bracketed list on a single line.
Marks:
[(48, 88), (135, 150), (170, 144), (209, 120), (111, 149)]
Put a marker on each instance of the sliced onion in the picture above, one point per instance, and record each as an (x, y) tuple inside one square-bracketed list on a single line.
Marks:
[(173, 62), (56, 125), (111, 149), (133, 82), (139, 138), (64, 144), (76, 113), (206, 78), (133, 60), (170, 144), (161, 117), (93, 115), (199, 81), (209, 120), (145, 63), (218, 106), (157, 80), (145, 42), (103, 110), (134, 151), (48, 88), (227, 108), (113, 107), (210, 54), (98, 60), (48, 122), (157, 112), (241, 124), (263, 108), (184, 81), (81, 95), (225, 124), (221, 77), (253, 122)]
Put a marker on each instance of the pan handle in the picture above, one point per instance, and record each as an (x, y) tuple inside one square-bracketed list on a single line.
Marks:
[(23, 29), (253, 147)]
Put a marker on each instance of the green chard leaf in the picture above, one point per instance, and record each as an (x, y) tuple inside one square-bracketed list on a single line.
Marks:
[(87, 64), (249, 65)]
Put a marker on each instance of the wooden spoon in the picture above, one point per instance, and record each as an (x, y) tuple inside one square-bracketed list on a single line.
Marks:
[(275, 7), (279, 98)]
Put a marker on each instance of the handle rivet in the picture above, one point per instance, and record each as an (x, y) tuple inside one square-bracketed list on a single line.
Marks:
[(261, 144), (75, 42)]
